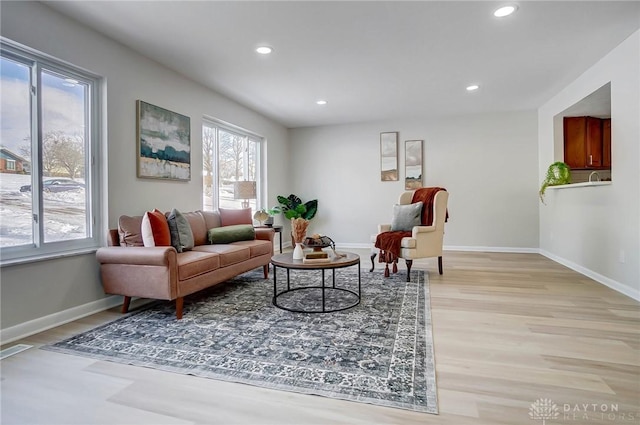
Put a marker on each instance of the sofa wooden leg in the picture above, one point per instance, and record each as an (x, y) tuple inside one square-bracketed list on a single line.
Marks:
[(373, 264), (395, 265), (409, 264), (179, 304), (125, 304), (440, 264), (265, 271), (386, 269)]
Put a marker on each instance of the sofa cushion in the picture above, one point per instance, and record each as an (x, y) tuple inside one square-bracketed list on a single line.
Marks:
[(211, 218), (198, 227), (228, 234), (229, 254), (129, 230), (155, 230), (192, 263), (256, 247), (180, 229), (406, 216), (231, 217)]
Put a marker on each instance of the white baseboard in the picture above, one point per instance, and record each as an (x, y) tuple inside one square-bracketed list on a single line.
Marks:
[(454, 248), (616, 286), (507, 249), (340, 245), (41, 324)]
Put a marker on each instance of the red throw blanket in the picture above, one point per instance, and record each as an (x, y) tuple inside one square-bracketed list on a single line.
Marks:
[(389, 243)]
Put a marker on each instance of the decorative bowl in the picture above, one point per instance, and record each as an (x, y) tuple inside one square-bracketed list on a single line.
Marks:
[(317, 243)]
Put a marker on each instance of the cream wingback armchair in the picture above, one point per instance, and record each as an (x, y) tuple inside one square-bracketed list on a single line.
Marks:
[(424, 241)]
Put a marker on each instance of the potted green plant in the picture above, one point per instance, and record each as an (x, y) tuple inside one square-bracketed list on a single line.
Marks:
[(558, 173), (272, 212), (299, 213), (292, 207)]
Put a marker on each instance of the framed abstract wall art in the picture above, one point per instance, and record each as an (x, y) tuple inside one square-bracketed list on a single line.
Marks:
[(164, 143), (389, 156), (413, 164)]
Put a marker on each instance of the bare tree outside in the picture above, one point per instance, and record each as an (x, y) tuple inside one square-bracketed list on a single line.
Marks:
[(62, 154), (231, 152), (208, 145), (68, 153)]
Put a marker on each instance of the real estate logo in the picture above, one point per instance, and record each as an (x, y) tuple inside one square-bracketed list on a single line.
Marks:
[(543, 409)]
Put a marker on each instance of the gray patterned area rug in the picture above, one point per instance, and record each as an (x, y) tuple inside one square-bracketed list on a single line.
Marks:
[(378, 352)]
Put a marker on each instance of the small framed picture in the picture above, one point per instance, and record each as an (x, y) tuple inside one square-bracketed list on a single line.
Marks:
[(413, 164), (389, 156)]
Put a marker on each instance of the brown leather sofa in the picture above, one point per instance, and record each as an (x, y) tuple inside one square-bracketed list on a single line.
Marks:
[(129, 268)]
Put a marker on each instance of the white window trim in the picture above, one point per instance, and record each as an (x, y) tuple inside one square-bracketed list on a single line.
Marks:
[(232, 128), (93, 179)]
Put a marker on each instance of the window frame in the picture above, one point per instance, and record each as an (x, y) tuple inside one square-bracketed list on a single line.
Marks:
[(251, 136), (38, 250)]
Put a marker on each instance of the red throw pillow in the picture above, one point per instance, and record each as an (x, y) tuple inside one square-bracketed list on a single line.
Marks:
[(231, 217), (155, 229)]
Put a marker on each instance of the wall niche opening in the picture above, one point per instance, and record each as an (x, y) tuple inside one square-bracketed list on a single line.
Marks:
[(582, 137)]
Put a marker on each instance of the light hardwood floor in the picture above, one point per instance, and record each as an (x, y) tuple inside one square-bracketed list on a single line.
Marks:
[(509, 329)]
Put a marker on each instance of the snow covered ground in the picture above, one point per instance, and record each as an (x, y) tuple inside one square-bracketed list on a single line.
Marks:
[(64, 213)]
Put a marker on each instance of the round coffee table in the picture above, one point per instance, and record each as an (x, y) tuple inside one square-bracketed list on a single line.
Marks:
[(287, 262)]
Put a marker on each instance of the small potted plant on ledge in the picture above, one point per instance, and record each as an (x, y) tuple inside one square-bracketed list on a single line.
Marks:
[(558, 173)]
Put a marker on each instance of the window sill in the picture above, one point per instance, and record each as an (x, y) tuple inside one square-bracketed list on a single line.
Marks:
[(46, 257), (574, 185)]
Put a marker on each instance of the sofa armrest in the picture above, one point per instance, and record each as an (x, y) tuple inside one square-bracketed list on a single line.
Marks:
[(148, 256), (265, 234)]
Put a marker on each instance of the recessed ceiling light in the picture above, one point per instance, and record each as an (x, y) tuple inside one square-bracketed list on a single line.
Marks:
[(505, 11), (321, 102), (264, 50), (473, 87)]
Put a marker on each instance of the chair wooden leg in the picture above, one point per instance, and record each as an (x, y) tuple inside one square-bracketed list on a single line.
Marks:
[(395, 265), (373, 264), (179, 304), (409, 264), (386, 269), (440, 264), (125, 304), (265, 271)]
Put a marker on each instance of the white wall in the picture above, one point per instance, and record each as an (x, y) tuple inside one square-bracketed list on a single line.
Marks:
[(590, 229), (488, 163), (36, 290)]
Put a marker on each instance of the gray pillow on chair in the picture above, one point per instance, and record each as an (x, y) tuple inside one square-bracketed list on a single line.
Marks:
[(406, 216)]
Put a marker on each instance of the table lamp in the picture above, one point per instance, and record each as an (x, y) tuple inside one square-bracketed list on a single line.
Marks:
[(244, 190)]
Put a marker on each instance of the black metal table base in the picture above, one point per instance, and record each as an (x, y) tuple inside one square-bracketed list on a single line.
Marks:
[(324, 289)]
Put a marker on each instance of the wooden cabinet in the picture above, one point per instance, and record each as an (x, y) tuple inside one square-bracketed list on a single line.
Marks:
[(584, 145), (606, 143)]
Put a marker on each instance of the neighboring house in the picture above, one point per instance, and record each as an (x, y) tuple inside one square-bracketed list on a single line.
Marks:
[(12, 163)]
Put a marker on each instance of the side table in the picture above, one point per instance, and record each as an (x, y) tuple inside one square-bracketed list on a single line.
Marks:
[(278, 230)]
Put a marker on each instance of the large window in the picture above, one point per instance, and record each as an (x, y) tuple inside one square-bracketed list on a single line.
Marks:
[(49, 118), (231, 160)]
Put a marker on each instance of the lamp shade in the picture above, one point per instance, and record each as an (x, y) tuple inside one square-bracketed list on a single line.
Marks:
[(244, 190)]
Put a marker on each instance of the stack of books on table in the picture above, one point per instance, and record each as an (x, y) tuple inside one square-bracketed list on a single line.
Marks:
[(316, 257)]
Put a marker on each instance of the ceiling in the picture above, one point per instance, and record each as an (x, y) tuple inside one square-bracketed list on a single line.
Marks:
[(370, 60)]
